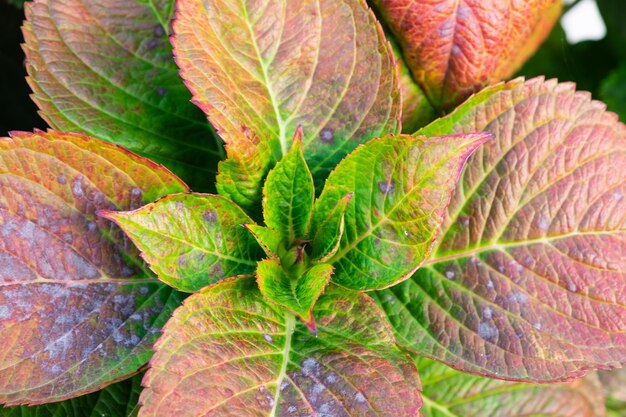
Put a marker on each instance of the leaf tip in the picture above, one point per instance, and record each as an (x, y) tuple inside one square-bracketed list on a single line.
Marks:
[(298, 135), (310, 324), (107, 214)]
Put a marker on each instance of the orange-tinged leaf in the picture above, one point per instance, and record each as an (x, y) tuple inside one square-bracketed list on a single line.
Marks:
[(228, 352), (456, 47), (528, 278), (261, 69), (77, 309)]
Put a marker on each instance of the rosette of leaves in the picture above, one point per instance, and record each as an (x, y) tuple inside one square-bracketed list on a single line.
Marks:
[(335, 249)]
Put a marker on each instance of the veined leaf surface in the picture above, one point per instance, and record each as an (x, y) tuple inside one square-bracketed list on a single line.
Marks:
[(105, 68), (261, 69), (401, 187), (117, 400), (77, 309), (191, 240), (456, 47), (296, 294), (528, 278), (228, 352), (288, 195), (447, 392)]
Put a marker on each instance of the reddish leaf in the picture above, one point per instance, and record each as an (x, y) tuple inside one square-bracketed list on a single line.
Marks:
[(456, 47), (227, 352), (528, 280), (77, 311), (260, 69)]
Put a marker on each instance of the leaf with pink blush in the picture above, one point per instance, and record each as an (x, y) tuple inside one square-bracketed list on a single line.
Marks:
[(456, 47), (528, 278), (78, 309), (261, 69), (228, 352)]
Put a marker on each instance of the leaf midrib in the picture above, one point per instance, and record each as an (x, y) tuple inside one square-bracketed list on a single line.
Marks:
[(503, 246), (279, 120), (290, 325)]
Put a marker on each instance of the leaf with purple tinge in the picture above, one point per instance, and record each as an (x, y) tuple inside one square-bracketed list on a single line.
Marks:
[(105, 68), (456, 47), (397, 205), (78, 310), (527, 280), (227, 352), (191, 240), (449, 393), (260, 69)]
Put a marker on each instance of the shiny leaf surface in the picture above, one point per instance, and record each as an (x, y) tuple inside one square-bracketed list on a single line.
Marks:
[(228, 352), (288, 195), (327, 232), (261, 69), (77, 309), (191, 240), (456, 47), (296, 294), (268, 239), (397, 205), (528, 278)]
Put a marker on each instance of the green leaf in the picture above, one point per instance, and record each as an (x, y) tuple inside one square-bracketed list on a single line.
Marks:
[(288, 195), (247, 357), (401, 186), (527, 278), (191, 240), (614, 384), (328, 230), (613, 91), (78, 309), (261, 69), (455, 48), (268, 239), (117, 400), (16, 3), (554, 60), (297, 294), (449, 393), (613, 15), (106, 69)]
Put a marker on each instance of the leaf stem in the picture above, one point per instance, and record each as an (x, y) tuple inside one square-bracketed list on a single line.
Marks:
[(290, 325)]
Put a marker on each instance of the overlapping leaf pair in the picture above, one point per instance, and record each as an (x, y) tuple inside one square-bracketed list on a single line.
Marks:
[(509, 261)]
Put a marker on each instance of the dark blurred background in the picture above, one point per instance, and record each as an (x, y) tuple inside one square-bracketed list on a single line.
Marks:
[(597, 65), (17, 110)]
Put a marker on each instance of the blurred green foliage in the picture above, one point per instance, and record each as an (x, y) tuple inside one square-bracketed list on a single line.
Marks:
[(17, 3)]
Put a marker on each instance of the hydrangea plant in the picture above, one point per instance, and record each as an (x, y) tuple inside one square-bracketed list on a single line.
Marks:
[(326, 257)]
